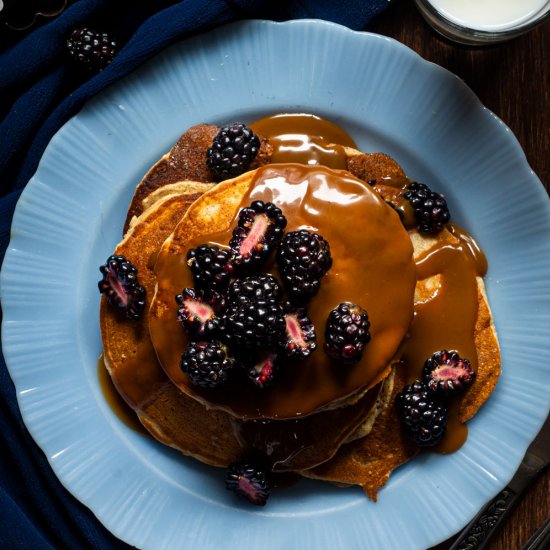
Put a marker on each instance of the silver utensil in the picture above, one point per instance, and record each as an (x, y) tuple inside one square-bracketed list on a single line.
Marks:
[(491, 517)]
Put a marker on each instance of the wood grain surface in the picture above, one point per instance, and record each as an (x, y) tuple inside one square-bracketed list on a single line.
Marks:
[(513, 81)]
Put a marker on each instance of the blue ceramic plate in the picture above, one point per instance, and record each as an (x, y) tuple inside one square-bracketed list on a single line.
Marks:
[(70, 216)]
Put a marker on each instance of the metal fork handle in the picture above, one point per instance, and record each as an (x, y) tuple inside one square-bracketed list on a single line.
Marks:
[(481, 529)]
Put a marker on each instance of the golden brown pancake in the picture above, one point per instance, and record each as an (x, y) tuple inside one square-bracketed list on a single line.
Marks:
[(192, 189), (369, 461), (317, 383)]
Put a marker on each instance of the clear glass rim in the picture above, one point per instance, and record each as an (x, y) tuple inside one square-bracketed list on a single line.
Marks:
[(468, 35)]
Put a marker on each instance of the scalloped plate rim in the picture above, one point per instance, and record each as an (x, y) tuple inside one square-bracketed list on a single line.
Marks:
[(30, 189)]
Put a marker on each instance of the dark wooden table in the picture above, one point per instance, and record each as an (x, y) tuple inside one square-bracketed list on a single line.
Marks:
[(513, 80)]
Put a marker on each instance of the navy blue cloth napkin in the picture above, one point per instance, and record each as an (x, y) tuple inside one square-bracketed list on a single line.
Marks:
[(39, 92)]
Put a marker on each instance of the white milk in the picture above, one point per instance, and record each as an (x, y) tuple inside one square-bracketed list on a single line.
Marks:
[(490, 15)]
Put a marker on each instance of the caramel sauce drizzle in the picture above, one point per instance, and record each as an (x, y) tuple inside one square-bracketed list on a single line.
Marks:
[(360, 227), (447, 319), (434, 326), (119, 407), (305, 139)]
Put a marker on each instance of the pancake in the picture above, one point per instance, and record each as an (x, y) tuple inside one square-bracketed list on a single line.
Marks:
[(316, 383), (192, 189), (181, 422), (369, 462)]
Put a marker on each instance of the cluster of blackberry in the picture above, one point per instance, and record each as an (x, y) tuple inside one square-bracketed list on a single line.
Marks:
[(239, 321), (236, 315), (423, 404)]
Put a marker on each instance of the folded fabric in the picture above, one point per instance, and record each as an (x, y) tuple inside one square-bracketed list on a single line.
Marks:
[(39, 92)]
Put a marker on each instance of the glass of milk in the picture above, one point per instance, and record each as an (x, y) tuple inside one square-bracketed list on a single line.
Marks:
[(481, 22)]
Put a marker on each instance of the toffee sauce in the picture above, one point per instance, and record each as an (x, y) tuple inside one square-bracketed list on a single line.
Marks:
[(305, 139), (435, 326), (119, 407), (458, 265), (446, 321), (360, 227)]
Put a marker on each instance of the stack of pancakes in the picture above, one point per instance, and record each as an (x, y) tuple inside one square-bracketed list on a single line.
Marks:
[(354, 436)]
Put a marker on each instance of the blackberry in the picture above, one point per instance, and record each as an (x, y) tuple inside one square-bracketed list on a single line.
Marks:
[(260, 227), (254, 324), (399, 212), (198, 310), (232, 151), (423, 417), (248, 480), (211, 266), (303, 258), (430, 208), (93, 50), (263, 369), (207, 364), (299, 339), (347, 332), (445, 372), (120, 286), (254, 287)]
